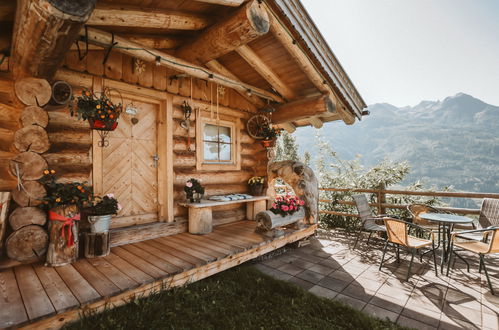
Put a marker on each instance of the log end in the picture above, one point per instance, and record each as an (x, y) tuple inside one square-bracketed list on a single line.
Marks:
[(258, 17)]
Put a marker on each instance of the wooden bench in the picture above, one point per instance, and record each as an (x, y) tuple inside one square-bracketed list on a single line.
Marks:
[(200, 214)]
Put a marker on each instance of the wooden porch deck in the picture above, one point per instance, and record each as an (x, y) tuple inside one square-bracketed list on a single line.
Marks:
[(35, 296)]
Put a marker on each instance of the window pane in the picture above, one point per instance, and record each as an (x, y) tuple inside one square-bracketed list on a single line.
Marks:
[(211, 151), (210, 132), (225, 152), (224, 134)]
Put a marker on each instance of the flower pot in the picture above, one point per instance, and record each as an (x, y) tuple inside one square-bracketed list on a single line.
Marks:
[(99, 223), (100, 125), (256, 189), (268, 143)]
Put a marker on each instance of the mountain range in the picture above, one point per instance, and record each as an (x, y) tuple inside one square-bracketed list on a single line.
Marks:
[(454, 142)]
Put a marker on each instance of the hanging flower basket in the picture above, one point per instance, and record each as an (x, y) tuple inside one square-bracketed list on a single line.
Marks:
[(268, 143), (102, 114), (100, 125)]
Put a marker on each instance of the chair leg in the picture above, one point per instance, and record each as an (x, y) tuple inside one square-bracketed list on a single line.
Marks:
[(398, 253), (482, 260), (413, 252), (383, 256), (357, 239), (480, 266), (434, 258), (369, 238), (464, 260)]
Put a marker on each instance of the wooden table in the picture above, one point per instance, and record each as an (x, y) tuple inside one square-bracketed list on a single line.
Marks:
[(201, 218)]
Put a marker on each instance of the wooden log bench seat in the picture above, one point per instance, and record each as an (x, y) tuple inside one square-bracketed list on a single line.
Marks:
[(200, 214)]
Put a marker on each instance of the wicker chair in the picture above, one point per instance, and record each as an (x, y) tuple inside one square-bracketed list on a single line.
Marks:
[(482, 247), (489, 217), (416, 209), (398, 235), (368, 219)]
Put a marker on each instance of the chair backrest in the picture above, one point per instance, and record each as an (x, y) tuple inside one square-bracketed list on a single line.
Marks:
[(363, 207), (417, 209), (396, 231), (494, 242), (489, 213)]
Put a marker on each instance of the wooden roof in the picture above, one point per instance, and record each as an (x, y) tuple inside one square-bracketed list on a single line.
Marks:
[(291, 61)]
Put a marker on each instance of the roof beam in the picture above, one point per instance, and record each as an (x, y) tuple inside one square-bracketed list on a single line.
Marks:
[(248, 23), (289, 127), (103, 38), (316, 122), (265, 71), (303, 109), (43, 33), (230, 3), (129, 16)]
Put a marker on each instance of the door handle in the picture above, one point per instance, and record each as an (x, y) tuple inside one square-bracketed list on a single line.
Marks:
[(155, 158)]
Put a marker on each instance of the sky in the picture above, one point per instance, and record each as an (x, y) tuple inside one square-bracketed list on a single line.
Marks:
[(405, 51)]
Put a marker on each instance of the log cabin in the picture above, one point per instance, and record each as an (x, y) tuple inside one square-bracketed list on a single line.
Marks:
[(226, 59)]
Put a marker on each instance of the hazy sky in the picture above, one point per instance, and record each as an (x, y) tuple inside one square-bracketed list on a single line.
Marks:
[(405, 51)]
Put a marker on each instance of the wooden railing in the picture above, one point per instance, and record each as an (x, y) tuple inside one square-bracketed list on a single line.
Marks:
[(381, 204)]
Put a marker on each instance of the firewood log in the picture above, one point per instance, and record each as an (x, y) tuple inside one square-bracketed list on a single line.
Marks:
[(34, 115), (33, 91), (30, 195), (268, 220), (27, 244), (24, 216), (31, 138), (29, 164)]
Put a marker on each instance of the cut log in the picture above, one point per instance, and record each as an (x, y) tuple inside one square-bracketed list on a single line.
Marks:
[(316, 122), (30, 195), (33, 91), (289, 127), (25, 216), (9, 117), (27, 244), (63, 246), (31, 138), (248, 23), (268, 220), (28, 165), (303, 109), (231, 3), (4, 210), (34, 115), (6, 140), (43, 33)]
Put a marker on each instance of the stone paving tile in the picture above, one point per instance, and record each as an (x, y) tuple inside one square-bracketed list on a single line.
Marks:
[(463, 313), (281, 275), (310, 276), (355, 303), (411, 323), (358, 292), (333, 284), (390, 303), (342, 275), (304, 284), (379, 312), (274, 263), (449, 323), (323, 292), (490, 319), (291, 269), (321, 269), (330, 263), (422, 315), (370, 284), (302, 263), (265, 269)]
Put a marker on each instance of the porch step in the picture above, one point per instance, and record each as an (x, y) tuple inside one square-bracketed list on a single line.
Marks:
[(147, 231)]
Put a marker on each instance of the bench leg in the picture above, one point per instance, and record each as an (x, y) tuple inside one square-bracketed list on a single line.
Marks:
[(200, 220), (253, 208)]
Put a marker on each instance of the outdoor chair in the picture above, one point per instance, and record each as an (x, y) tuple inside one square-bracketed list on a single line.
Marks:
[(368, 220), (482, 247), (489, 217), (416, 209), (398, 235)]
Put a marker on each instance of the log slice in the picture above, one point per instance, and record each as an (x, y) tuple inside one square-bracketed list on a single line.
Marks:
[(31, 195), (32, 138), (25, 216), (33, 91), (27, 244), (29, 164), (34, 115)]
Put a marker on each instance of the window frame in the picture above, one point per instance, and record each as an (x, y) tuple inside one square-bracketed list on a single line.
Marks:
[(201, 163)]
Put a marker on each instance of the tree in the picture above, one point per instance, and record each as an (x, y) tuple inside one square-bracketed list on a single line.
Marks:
[(286, 149), (307, 158)]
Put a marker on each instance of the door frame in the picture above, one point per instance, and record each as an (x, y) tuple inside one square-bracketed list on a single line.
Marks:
[(164, 101)]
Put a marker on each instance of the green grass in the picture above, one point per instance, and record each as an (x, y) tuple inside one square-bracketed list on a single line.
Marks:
[(240, 298)]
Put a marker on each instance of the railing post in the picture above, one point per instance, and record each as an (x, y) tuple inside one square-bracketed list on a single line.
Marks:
[(381, 198)]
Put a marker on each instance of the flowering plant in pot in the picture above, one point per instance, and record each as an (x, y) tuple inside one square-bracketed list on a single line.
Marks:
[(270, 135), (100, 210), (102, 114), (286, 205), (193, 190), (256, 185)]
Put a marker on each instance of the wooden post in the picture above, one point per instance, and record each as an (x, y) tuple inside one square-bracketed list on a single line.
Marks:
[(381, 198), (252, 209), (200, 220)]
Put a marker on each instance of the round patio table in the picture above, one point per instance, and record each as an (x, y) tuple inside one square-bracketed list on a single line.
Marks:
[(445, 223)]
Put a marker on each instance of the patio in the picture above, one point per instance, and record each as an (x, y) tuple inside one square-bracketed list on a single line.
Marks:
[(329, 268)]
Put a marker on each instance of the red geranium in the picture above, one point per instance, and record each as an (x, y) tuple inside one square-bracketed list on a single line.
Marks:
[(287, 204)]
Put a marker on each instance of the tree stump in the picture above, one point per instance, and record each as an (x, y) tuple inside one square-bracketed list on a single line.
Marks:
[(25, 216), (34, 115), (63, 233), (29, 164), (32, 138), (31, 195), (33, 91), (27, 244)]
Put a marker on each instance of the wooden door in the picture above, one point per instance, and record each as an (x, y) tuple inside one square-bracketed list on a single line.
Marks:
[(130, 165)]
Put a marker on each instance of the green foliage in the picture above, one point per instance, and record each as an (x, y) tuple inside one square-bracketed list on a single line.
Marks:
[(287, 148), (103, 205), (193, 186), (89, 106), (240, 298), (61, 194)]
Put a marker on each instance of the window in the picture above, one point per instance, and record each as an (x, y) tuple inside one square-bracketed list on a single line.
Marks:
[(217, 146)]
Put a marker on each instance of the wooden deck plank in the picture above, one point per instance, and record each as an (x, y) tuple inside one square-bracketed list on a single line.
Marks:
[(80, 288), (175, 256), (213, 245), (251, 238), (99, 282), (59, 294), (115, 275), (140, 263), (198, 246), (35, 298), (221, 237), (131, 271), (184, 251), (144, 251), (12, 309)]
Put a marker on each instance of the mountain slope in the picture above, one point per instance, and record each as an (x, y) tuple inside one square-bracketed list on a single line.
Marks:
[(450, 142)]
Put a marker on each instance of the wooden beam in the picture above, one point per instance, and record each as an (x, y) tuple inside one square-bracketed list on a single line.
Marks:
[(43, 33), (147, 54), (229, 3), (151, 41), (306, 65), (316, 122), (303, 109), (129, 16), (248, 23), (7, 9), (219, 68), (289, 127), (265, 71)]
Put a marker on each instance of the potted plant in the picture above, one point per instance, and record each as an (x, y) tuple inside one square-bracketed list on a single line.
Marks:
[(100, 210), (100, 112), (193, 190), (270, 135), (286, 205), (256, 185)]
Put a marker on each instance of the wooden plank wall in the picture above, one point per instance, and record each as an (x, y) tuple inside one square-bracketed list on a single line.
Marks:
[(77, 142)]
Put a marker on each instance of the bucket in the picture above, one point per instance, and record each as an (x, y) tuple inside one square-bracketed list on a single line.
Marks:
[(99, 223)]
